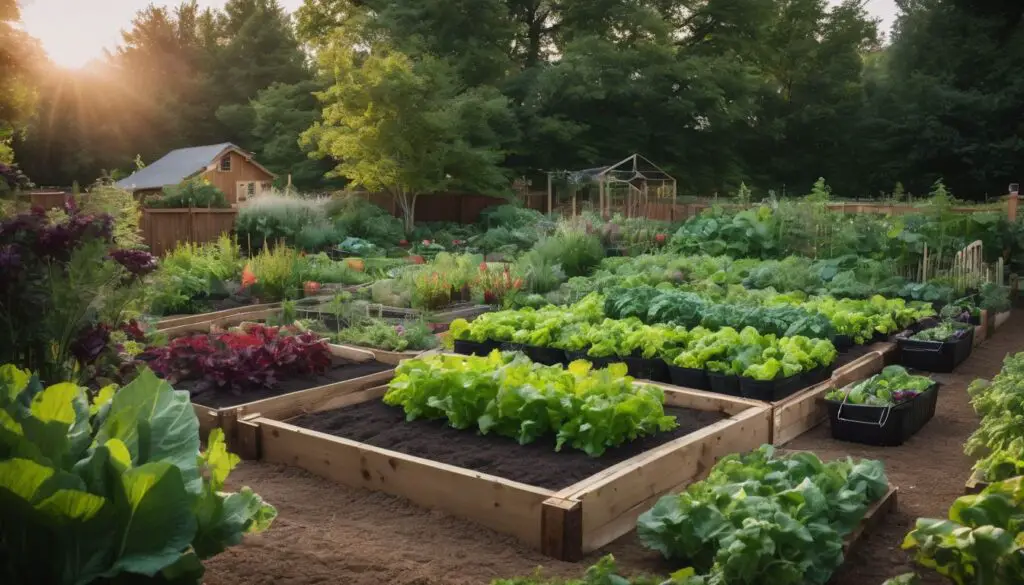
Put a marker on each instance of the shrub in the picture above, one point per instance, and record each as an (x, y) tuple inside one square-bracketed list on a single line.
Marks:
[(119, 204), (114, 489), (280, 273), (61, 282), (191, 272), (577, 251), (303, 223), (357, 217), (194, 193)]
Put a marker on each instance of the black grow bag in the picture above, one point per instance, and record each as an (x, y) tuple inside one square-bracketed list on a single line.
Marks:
[(724, 383), (936, 356), (816, 376), (696, 378), (653, 369), (769, 390), (883, 426), (481, 348), (548, 356), (842, 342)]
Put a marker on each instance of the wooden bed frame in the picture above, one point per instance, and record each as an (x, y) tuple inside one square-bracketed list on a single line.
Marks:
[(565, 524), (227, 417)]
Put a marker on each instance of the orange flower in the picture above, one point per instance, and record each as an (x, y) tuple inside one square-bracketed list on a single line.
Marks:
[(248, 278)]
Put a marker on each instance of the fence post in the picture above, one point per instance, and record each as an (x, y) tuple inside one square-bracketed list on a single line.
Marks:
[(1011, 206)]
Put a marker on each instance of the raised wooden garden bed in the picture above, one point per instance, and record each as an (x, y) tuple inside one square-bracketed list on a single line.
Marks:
[(889, 503), (975, 484), (226, 417), (564, 523), (179, 321), (444, 315), (222, 322)]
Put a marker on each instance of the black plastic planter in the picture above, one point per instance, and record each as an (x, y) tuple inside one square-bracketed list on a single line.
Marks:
[(816, 376), (883, 426), (475, 347), (654, 369), (842, 342), (936, 356), (548, 356), (769, 390), (689, 377), (598, 362), (724, 383)]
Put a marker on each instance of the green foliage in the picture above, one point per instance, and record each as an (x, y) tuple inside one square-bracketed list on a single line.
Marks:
[(945, 331), (357, 217), (280, 273), (513, 397), (762, 518), (192, 193), (191, 273), (605, 572), (995, 298), (119, 204), (572, 247), (380, 334), (113, 488), (980, 544), (892, 386), (998, 443), (295, 221), (406, 127)]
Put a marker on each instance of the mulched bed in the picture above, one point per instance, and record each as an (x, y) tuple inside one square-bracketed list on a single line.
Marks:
[(537, 463), (341, 369)]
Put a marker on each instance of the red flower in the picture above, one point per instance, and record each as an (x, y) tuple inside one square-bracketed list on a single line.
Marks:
[(403, 242), (660, 238), (426, 242), (311, 288), (248, 278)]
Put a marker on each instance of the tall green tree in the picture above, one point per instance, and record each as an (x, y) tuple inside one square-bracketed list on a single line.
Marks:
[(410, 127), (20, 56)]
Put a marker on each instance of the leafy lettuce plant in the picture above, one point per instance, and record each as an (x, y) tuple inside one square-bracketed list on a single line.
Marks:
[(590, 410), (112, 489), (892, 386), (762, 518)]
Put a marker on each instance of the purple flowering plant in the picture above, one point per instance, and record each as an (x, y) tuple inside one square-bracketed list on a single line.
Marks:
[(64, 290)]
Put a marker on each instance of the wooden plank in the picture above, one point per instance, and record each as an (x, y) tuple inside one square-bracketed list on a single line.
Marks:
[(209, 419), (247, 439), (975, 484), (314, 399), (561, 527), (614, 498), (503, 505), (201, 317), (348, 352), (392, 358), (889, 503), (701, 400)]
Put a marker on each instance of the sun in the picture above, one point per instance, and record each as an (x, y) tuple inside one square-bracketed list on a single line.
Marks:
[(72, 33)]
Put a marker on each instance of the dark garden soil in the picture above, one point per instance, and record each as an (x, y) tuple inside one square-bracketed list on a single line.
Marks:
[(537, 463), (331, 534), (340, 370)]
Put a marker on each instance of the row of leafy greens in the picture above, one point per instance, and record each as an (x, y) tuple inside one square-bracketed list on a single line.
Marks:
[(998, 443), (892, 386), (764, 518), (114, 488), (507, 394)]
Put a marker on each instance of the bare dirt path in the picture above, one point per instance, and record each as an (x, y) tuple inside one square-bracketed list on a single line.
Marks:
[(330, 534)]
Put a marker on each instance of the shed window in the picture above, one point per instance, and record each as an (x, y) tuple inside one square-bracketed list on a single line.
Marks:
[(251, 189), (225, 163)]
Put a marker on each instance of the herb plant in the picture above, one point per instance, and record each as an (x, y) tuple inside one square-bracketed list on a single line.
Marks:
[(946, 331), (379, 334), (998, 443)]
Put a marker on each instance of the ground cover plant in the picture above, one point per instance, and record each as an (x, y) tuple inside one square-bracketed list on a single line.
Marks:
[(998, 443), (113, 487), (239, 361), (894, 385), (507, 394), (764, 518)]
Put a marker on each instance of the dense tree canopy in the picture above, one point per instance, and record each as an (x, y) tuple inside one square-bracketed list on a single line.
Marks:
[(773, 93)]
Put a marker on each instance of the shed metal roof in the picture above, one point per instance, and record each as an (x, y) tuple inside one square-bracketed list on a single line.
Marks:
[(174, 167)]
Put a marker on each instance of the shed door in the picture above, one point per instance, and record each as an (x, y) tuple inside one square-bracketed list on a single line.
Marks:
[(245, 190)]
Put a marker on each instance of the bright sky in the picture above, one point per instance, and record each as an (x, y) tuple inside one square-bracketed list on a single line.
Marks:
[(75, 32)]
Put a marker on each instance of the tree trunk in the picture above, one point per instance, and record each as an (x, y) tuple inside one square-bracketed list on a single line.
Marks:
[(407, 203)]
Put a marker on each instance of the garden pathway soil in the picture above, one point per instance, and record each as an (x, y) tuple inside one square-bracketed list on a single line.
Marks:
[(334, 535)]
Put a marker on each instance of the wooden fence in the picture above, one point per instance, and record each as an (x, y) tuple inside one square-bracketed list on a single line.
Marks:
[(164, 229)]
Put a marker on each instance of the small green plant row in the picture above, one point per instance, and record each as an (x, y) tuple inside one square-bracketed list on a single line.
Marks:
[(508, 395), (998, 443), (758, 518), (112, 488), (581, 329), (781, 314), (888, 388)]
